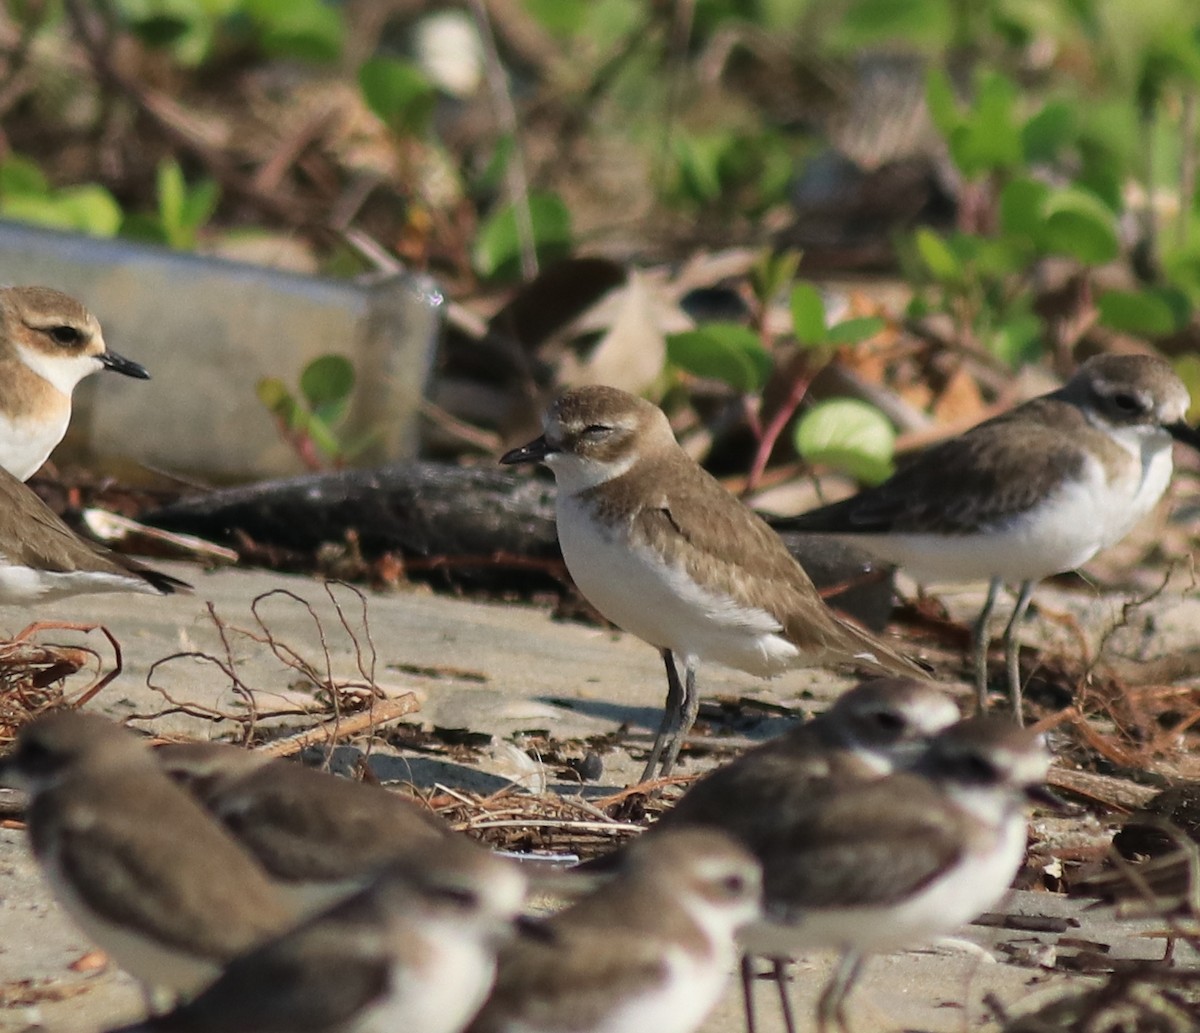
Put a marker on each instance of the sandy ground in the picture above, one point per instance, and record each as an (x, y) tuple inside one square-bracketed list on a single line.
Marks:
[(500, 669)]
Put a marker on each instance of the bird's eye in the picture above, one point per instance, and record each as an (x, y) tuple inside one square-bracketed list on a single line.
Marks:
[(65, 335), (733, 885), (888, 721), (595, 430), (1126, 402)]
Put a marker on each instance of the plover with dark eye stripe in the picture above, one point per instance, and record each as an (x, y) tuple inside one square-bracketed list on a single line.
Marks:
[(319, 836), (650, 950), (48, 343), (1036, 491), (871, 730), (133, 859), (663, 551), (897, 861), (414, 951), (42, 559)]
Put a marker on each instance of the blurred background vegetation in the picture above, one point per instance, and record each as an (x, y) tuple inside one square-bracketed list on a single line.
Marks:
[(833, 226)]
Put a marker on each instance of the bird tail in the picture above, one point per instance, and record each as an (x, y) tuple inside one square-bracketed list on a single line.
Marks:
[(863, 648)]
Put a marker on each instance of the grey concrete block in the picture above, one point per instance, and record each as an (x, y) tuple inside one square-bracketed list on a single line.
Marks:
[(208, 329)]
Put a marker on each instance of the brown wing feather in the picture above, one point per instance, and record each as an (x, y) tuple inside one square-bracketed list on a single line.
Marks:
[(37, 538), (699, 525)]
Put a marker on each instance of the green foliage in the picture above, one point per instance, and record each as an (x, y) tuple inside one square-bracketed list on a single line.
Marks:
[(306, 30), (399, 93), (183, 210), (849, 435), (808, 321), (26, 195), (743, 171), (311, 423), (728, 352), (497, 253)]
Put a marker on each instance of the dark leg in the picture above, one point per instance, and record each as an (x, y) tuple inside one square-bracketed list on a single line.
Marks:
[(979, 643), (747, 970), (831, 1006), (785, 998), (689, 710), (672, 712), (1012, 648)]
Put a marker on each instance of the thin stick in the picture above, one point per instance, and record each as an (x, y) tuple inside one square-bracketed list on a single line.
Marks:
[(330, 731)]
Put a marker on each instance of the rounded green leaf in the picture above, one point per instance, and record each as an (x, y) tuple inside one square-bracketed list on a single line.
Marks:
[(853, 331), (808, 314), (326, 383), (1021, 203), (941, 262), (728, 352), (1047, 132), (850, 435), (1079, 224), (497, 248), (1136, 313), (398, 92)]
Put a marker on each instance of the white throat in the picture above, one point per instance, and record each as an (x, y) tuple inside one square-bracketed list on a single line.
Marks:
[(575, 474), (62, 373)]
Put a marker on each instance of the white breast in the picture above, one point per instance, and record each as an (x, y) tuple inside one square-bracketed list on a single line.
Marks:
[(634, 588), (1062, 533), (25, 444), (439, 996), (962, 893)]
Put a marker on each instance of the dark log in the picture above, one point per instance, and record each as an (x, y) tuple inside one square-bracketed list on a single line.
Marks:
[(430, 510)]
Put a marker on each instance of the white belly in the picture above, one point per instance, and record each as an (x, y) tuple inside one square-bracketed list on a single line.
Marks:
[(633, 588), (679, 1005), (963, 893), (1062, 534), (441, 995), (25, 444), (22, 585)]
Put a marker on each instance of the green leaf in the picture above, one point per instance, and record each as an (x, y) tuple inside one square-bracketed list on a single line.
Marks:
[(1187, 367), (306, 29), (273, 393), (854, 331), (773, 271), (1048, 132), (1136, 312), (941, 262), (1018, 340), (989, 139), (326, 384), (322, 435), (728, 352), (849, 435), (399, 93), (808, 314), (942, 101), (172, 190), (1079, 224), (497, 249), (562, 18), (20, 175), (1021, 202), (200, 204), (87, 209)]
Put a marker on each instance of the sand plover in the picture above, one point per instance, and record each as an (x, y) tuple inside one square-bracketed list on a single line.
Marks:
[(415, 950), (650, 950), (134, 860), (42, 559), (1036, 491), (48, 343), (664, 552), (318, 836)]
